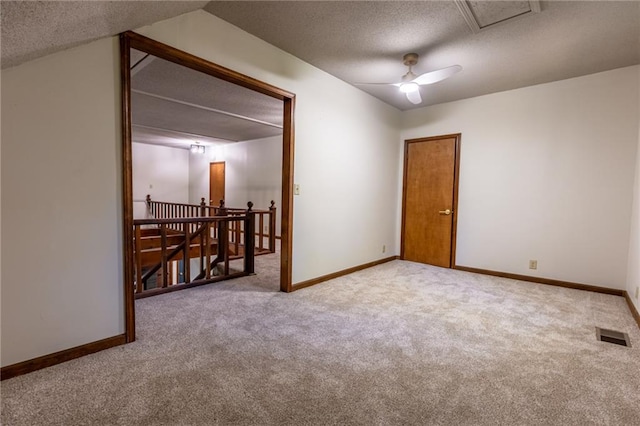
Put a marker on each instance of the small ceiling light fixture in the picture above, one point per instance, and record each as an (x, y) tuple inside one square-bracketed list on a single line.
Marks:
[(409, 87), (197, 149)]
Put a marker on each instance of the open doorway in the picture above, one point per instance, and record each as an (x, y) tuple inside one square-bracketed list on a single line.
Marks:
[(140, 53)]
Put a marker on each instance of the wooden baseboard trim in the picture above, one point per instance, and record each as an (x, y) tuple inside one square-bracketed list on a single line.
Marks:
[(632, 308), (547, 281), (347, 271), (59, 357)]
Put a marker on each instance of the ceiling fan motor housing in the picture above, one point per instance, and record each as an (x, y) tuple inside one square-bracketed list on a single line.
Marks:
[(410, 59)]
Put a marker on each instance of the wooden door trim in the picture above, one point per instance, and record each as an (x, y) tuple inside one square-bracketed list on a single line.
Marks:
[(130, 40), (456, 174)]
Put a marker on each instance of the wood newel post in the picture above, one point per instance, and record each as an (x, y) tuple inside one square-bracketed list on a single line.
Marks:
[(222, 210), (249, 240), (150, 211), (203, 207), (272, 227)]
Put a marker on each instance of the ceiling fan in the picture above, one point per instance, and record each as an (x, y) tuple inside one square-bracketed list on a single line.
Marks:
[(410, 84)]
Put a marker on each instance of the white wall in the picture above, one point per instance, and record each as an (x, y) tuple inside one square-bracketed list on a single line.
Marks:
[(546, 174), (61, 202), (61, 158), (253, 173), (346, 156), (160, 171), (633, 273)]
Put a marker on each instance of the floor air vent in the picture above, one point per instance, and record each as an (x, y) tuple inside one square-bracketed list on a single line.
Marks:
[(612, 336)]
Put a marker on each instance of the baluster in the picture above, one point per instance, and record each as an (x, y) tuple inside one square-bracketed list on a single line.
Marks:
[(138, 249), (201, 251), (186, 259), (223, 243), (208, 250), (237, 235), (261, 232), (163, 244), (249, 240)]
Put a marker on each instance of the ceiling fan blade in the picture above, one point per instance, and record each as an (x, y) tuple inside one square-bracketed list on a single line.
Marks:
[(436, 76), (377, 84), (414, 97)]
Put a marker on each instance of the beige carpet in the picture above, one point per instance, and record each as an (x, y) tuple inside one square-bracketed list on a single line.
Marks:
[(398, 344)]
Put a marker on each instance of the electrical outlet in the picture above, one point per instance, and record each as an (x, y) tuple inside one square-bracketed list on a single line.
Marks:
[(384, 249), (296, 189), (533, 264), (637, 291)]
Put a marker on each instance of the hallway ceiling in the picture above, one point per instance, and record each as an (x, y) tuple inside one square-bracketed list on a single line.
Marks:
[(176, 106), (365, 41)]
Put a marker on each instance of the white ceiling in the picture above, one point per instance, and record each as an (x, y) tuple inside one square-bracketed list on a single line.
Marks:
[(365, 41)]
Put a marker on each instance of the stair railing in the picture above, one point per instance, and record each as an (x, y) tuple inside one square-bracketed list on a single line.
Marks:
[(213, 252), (265, 238)]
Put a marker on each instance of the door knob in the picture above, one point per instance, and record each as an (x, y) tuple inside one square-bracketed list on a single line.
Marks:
[(446, 212)]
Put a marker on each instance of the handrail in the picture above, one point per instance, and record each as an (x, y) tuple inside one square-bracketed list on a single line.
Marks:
[(206, 235), (172, 210), (189, 220)]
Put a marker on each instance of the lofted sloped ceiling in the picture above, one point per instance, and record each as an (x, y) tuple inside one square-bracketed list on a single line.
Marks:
[(31, 29), (176, 106), (364, 41)]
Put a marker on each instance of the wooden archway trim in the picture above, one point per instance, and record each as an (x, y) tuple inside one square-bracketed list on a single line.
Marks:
[(130, 40)]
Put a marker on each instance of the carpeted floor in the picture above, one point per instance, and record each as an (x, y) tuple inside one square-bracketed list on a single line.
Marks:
[(398, 344)]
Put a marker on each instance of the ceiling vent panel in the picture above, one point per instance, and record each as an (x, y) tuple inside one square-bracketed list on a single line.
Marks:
[(481, 15)]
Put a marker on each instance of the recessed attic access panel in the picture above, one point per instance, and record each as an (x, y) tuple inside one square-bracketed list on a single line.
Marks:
[(481, 15)]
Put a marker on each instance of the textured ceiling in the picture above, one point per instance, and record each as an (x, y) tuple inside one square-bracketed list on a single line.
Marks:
[(365, 41), (31, 29)]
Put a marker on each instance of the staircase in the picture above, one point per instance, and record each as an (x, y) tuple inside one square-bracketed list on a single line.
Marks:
[(173, 251)]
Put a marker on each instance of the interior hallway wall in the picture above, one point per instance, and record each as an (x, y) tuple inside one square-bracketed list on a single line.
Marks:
[(346, 157), (160, 171), (546, 174), (633, 272), (61, 202), (253, 173)]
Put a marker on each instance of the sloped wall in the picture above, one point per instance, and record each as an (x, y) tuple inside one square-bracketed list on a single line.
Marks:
[(61, 202)]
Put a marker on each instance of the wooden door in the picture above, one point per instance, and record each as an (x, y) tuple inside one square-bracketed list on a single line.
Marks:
[(429, 203), (216, 182)]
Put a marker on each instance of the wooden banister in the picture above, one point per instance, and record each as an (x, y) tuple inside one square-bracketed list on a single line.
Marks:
[(236, 230), (207, 232)]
